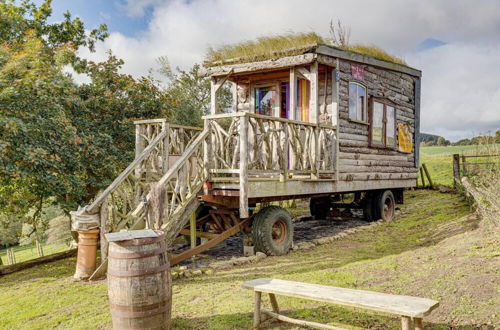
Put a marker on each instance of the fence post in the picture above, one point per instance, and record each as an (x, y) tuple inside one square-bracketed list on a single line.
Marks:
[(456, 169), (422, 177), (11, 256), (39, 248), (428, 175), (464, 166)]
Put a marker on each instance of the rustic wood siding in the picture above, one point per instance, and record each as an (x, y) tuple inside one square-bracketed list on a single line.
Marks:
[(358, 161)]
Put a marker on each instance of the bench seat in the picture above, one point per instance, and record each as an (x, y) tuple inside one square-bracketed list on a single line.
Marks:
[(405, 306)]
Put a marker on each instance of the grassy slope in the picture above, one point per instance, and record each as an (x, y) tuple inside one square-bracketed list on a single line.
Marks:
[(409, 256), (439, 161)]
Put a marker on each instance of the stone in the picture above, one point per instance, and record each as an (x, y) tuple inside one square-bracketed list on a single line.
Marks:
[(260, 255)]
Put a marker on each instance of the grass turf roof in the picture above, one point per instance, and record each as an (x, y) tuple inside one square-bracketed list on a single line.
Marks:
[(272, 47)]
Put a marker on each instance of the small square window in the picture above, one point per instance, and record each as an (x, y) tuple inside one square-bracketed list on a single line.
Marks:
[(265, 100)]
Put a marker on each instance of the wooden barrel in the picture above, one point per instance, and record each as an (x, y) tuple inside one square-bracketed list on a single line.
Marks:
[(139, 283)]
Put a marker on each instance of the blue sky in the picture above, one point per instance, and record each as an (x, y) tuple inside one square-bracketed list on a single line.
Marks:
[(109, 12), (456, 43)]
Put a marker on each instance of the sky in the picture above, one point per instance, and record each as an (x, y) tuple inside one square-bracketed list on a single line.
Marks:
[(456, 43)]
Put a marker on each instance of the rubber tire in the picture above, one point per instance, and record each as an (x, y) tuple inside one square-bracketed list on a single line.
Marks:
[(379, 203), (262, 231), (319, 207), (201, 211)]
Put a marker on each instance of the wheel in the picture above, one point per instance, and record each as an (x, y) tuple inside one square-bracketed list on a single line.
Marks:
[(384, 206), (319, 207), (200, 212), (272, 231)]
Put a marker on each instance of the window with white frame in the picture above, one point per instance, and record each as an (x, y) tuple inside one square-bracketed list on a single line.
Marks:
[(357, 102)]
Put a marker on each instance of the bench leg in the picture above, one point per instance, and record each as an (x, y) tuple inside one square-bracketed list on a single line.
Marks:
[(418, 324), (256, 311), (274, 303), (406, 323)]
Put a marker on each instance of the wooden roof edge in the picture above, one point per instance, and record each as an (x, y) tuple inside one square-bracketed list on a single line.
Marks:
[(310, 55), (366, 59)]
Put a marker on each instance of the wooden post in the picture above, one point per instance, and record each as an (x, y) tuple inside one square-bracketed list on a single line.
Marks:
[(464, 166), (213, 96), (256, 311), (336, 114), (428, 175), (274, 303), (291, 114), (418, 324), (422, 177), (286, 152), (192, 227), (313, 105), (293, 95), (406, 323), (456, 170), (103, 218), (139, 141), (207, 150), (39, 248), (244, 167), (11, 256), (165, 126)]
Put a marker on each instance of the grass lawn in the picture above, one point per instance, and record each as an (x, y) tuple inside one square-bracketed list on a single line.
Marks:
[(29, 251), (440, 163), (434, 249)]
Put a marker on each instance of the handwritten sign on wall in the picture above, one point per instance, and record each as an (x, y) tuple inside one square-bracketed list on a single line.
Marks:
[(358, 72)]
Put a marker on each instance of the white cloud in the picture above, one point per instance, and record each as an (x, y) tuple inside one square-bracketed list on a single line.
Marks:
[(460, 80)]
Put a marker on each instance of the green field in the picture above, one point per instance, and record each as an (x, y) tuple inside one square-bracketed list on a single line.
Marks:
[(28, 252), (438, 160), (434, 249)]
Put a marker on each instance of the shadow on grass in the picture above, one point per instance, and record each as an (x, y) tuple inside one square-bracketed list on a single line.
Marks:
[(332, 315)]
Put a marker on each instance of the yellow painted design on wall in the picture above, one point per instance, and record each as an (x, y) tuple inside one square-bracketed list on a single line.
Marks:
[(405, 138)]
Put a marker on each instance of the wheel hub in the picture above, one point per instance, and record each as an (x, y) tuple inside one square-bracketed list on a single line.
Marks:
[(279, 231)]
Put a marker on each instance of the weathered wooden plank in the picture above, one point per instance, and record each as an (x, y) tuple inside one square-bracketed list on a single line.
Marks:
[(376, 301), (279, 63)]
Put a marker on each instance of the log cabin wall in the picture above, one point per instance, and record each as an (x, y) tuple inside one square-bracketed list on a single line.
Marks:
[(358, 160), (325, 93)]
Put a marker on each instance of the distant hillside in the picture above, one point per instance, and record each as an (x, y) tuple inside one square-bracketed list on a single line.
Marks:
[(424, 137)]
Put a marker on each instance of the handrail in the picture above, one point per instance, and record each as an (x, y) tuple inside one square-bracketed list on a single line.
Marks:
[(162, 120), (186, 155), (93, 207), (254, 115)]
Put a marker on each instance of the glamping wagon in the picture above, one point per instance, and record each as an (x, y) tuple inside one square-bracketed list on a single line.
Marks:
[(314, 123)]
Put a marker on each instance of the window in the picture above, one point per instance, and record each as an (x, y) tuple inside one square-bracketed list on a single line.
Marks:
[(357, 102), (265, 100), (383, 124), (303, 99)]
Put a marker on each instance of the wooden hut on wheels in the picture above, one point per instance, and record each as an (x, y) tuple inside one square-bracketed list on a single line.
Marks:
[(314, 121)]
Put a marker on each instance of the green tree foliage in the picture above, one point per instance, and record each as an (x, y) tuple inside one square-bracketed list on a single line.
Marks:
[(103, 115), (61, 142), (20, 17), (38, 143), (188, 94)]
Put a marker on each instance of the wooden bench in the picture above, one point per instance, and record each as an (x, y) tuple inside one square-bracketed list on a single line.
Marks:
[(411, 309)]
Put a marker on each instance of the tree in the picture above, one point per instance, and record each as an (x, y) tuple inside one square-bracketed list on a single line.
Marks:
[(61, 142), (441, 141), (39, 144), (188, 94), (497, 136)]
